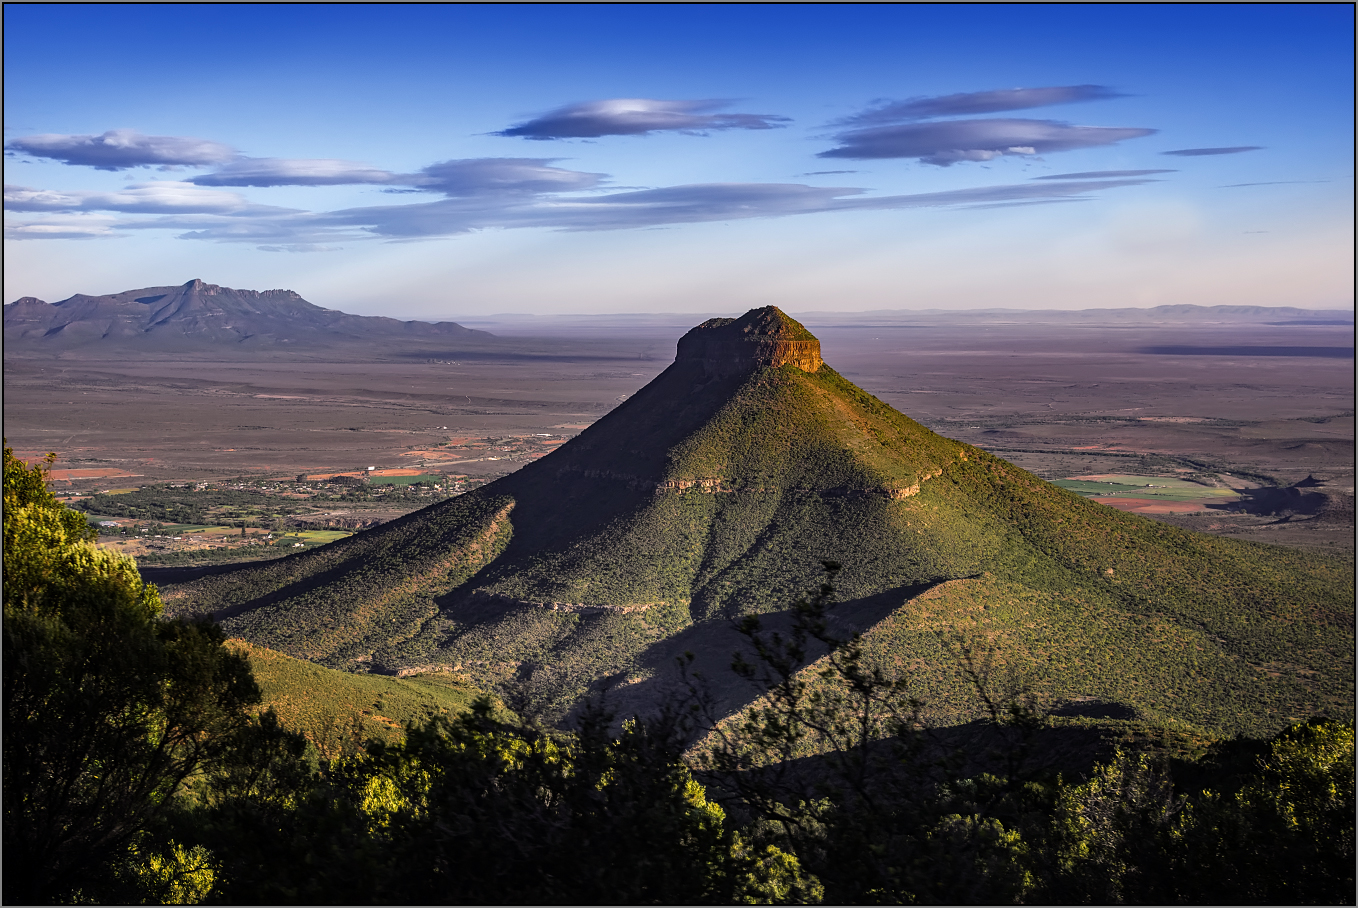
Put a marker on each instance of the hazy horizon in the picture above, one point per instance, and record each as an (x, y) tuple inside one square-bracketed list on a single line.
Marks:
[(816, 316)]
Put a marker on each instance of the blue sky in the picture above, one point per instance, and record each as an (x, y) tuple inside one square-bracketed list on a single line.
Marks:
[(431, 162)]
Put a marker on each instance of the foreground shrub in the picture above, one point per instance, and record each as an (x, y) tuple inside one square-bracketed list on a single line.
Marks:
[(109, 710)]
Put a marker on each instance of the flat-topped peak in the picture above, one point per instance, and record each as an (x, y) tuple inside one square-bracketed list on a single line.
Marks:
[(761, 338), (769, 321)]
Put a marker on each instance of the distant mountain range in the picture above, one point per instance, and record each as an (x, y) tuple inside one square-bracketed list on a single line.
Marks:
[(716, 491), (196, 316)]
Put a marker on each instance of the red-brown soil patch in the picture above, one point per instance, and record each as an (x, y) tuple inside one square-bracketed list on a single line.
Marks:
[(1152, 505), (94, 473), (358, 474)]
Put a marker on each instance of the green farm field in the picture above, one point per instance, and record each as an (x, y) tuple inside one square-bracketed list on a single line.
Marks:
[(1164, 488), (405, 480), (317, 537)]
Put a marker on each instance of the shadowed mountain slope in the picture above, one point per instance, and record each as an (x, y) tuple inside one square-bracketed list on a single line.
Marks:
[(716, 491), (199, 316)]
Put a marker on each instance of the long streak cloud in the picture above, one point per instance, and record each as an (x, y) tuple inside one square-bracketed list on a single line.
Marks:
[(122, 149), (637, 117), (947, 142), (687, 204)]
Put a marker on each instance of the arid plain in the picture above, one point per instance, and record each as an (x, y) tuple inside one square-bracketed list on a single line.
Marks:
[(1246, 405)]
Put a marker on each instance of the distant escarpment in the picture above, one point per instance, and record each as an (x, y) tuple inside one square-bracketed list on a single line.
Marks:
[(197, 317)]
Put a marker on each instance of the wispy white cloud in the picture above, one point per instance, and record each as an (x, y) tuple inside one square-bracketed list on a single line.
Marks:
[(157, 197), (1198, 152), (687, 204), (1102, 174), (947, 142), (528, 199), (1271, 183), (990, 196), (473, 177), (514, 192), (300, 247), (977, 102), (121, 149), (637, 117), (1024, 204), (60, 229), (913, 128), (293, 172), (281, 227), (460, 178)]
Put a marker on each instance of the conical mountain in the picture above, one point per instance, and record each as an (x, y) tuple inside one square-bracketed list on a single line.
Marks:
[(718, 489)]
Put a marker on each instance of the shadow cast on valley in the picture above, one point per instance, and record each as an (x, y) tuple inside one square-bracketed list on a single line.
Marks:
[(714, 643)]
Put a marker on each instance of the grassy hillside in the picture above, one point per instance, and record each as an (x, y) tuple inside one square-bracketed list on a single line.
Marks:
[(1075, 645), (342, 600), (333, 709), (705, 498)]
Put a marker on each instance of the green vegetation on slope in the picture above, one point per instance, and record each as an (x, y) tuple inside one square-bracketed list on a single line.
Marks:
[(135, 773), (723, 502), (339, 711), (342, 600), (705, 498)]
